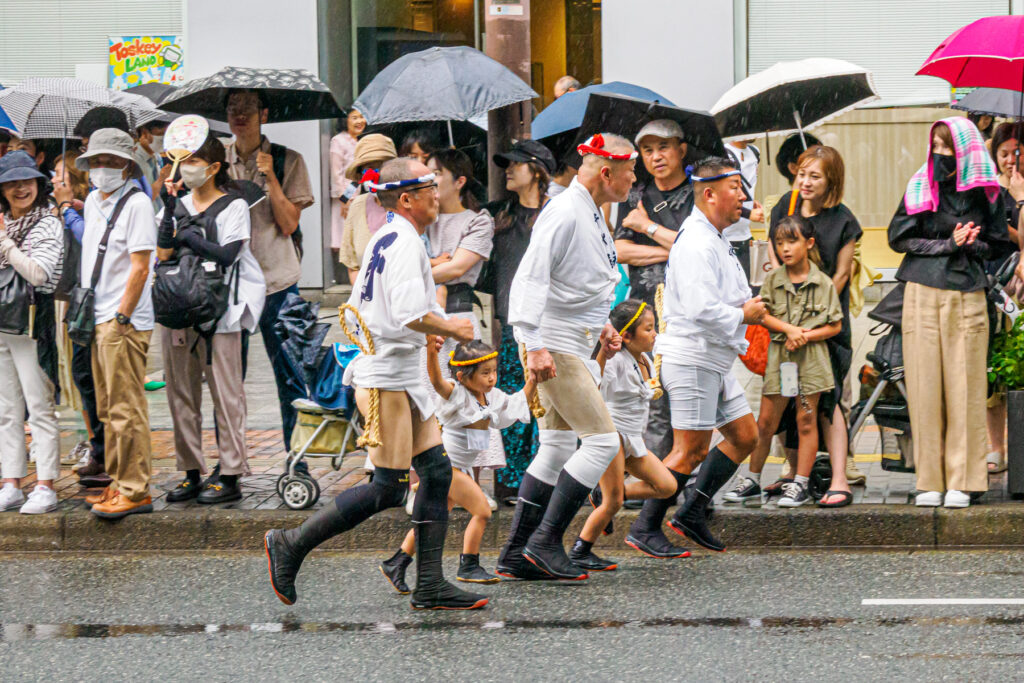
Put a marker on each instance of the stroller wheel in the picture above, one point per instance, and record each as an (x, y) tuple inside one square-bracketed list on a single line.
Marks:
[(299, 493), (821, 477)]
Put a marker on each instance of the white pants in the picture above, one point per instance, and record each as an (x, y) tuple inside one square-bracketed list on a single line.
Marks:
[(24, 383)]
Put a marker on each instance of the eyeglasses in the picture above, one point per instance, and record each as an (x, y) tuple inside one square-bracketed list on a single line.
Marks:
[(431, 186)]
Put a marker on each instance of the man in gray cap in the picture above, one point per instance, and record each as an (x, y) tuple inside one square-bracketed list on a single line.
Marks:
[(120, 229)]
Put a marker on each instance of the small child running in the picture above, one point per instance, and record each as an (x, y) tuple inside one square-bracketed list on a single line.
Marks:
[(803, 311), (467, 411), (627, 391)]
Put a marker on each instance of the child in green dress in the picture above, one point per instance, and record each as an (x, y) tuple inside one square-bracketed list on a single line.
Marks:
[(803, 311)]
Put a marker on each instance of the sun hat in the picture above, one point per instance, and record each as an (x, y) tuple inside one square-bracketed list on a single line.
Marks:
[(371, 150), (18, 165), (110, 141)]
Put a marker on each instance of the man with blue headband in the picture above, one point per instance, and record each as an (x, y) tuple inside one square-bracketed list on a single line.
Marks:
[(394, 294), (708, 306)]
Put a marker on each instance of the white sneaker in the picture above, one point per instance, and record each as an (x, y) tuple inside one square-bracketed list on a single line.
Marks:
[(10, 497), (79, 455), (42, 499), (491, 503), (957, 499), (928, 499)]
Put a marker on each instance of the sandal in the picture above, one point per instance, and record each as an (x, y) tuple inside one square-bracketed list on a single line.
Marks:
[(775, 488), (846, 500), (996, 462)]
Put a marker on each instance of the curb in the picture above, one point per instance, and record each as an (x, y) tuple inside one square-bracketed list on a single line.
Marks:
[(860, 526)]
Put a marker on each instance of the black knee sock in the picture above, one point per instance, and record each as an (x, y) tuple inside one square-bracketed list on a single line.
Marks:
[(566, 500), (430, 515), (652, 514), (534, 496), (387, 489), (192, 476), (715, 473), (229, 479)]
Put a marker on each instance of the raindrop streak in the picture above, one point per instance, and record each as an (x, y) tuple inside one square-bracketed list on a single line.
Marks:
[(14, 633)]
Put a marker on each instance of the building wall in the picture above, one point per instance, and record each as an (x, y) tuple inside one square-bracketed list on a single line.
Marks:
[(547, 45), (237, 33), (682, 49)]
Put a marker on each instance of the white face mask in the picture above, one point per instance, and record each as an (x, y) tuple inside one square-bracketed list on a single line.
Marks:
[(107, 179), (194, 176), (157, 145)]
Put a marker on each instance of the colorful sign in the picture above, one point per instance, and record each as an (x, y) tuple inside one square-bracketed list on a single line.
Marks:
[(135, 60)]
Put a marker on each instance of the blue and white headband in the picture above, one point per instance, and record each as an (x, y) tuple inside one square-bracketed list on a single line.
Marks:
[(396, 184), (708, 179)]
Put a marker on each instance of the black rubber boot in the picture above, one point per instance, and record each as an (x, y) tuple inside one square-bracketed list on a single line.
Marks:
[(470, 571), (690, 519), (645, 534), (583, 557), (534, 496), (545, 547), (432, 591), (394, 569)]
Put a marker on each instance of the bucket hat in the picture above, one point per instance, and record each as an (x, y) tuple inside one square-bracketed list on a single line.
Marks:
[(371, 150), (110, 141), (18, 165)]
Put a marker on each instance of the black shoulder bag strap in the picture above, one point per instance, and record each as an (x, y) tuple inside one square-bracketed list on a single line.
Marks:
[(97, 268)]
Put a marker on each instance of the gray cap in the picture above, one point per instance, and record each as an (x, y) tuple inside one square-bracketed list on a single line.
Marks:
[(110, 141), (660, 128)]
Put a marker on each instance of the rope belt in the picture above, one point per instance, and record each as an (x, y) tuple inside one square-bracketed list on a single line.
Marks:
[(371, 434)]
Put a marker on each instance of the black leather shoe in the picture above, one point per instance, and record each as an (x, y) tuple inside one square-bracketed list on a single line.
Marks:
[(99, 481), (282, 564), (584, 558), (394, 569), (446, 596), (691, 521), (654, 544), (213, 478), (186, 490), (552, 559), (219, 493), (470, 571), (92, 468)]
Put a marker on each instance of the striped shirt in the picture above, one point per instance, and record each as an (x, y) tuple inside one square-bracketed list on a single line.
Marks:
[(39, 255)]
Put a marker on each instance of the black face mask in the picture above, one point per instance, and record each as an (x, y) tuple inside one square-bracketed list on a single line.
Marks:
[(943, 166)]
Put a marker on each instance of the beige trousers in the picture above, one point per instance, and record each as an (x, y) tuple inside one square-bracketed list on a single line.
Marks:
[(572, 400), (119, 373), (185, 365), (945, 344)]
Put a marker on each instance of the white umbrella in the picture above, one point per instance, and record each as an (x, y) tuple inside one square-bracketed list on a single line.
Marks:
[(789, 97)]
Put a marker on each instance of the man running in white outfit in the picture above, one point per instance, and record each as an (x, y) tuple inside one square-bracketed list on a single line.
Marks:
[(559, 305), (708, 306)]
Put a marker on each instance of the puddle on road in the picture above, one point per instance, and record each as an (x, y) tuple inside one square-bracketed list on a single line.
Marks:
[(13, 633)]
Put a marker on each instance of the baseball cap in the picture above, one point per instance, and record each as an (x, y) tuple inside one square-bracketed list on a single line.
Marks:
[(526, 151), (660, 128)]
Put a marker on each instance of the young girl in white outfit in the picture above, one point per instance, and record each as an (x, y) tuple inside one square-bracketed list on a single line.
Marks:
[(627, 391), (468, 410)]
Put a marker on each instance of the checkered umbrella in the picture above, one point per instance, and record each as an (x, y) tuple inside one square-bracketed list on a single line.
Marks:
[(51, 107)]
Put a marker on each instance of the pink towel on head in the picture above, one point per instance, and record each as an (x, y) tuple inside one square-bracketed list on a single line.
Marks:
[(974, 168)]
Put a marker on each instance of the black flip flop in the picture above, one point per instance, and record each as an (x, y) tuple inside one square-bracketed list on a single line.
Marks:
[(847, 499)]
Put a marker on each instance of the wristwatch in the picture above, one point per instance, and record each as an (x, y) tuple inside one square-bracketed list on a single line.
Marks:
[(122, 319), (651, 229)]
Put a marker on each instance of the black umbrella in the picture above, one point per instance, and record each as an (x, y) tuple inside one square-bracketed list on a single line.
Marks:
[(992, 101), (289, 94), (625, 116), (467, 137), (154, 92)]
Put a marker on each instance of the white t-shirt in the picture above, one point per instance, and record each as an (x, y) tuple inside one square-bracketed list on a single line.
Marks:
[(748, 158), (134, 231), (626, 393), (233, 226)]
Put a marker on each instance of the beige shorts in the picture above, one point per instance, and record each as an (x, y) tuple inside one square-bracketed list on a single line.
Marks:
[(572, 400)]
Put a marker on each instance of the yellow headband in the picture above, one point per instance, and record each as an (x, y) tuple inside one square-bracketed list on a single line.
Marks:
[(639, 312), (471, 361)]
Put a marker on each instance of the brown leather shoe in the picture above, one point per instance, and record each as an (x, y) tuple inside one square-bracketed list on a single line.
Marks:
[(102, 497), (92, 468), (119, 506)]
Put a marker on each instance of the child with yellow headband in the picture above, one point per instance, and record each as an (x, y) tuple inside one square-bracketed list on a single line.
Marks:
[(467, 410), (627, 390)]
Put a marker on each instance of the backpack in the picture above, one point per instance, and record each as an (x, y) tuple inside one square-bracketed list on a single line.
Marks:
[(279, 153), (190, 291)]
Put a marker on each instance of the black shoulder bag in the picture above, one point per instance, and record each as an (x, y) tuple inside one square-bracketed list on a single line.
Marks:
[(81, 315)]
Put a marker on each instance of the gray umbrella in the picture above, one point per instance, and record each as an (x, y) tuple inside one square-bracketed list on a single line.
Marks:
[(289, 94), (155, 92), (50, 107), (440, 84), (992, 101)]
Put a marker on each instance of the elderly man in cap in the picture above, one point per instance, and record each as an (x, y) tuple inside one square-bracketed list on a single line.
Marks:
[(559, 305), (117, 245), (394, 293)]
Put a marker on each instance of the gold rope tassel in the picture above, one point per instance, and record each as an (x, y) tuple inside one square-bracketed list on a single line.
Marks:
[(659, 307), (535, 407), (371, 433)]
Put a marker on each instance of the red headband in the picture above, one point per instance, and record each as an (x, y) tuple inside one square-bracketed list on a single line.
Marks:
[(595, 145)]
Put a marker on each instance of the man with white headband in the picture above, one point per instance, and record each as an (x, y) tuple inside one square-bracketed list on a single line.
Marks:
[(394, 294), (559, 304), (708, 306)]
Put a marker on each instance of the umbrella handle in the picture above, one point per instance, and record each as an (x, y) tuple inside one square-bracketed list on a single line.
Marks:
[(800, 128)]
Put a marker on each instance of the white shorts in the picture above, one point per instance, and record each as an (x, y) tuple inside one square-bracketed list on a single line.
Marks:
[(633, 445), (702, 399)]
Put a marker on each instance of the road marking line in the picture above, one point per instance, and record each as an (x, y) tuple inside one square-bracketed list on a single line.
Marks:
[(942, 601)]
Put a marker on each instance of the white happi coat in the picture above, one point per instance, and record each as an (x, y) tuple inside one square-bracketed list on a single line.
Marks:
[(565, 285)]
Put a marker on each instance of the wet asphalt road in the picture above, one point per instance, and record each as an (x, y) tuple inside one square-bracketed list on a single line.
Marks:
[(738, 616)]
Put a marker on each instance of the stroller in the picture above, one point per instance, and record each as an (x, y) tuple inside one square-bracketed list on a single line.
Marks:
[(327, 423)]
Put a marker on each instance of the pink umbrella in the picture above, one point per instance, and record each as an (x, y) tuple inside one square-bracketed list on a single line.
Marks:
[(987, 53)]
